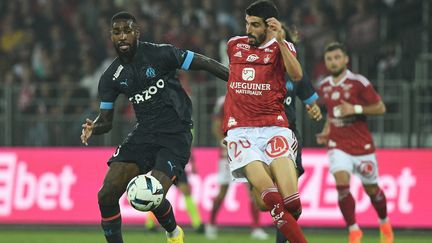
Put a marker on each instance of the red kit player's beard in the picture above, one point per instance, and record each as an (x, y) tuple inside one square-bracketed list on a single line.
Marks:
[(337, 72), (256, 40)]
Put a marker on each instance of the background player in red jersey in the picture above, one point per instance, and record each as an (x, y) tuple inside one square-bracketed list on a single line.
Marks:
[(349, 98), (261, 147)]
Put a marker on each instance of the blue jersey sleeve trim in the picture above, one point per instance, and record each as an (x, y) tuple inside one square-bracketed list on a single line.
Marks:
[(188, 60), (311, 99), (106, 105)]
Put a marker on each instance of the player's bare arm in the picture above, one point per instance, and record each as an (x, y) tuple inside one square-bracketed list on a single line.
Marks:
[(348, 109), (201, 62), (292, 65), (322, 138), (102, 124)]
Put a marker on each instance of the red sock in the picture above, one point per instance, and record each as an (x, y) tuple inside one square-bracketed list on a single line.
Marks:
[(283, 220), (346, 204), (379, 202), (293, 205)]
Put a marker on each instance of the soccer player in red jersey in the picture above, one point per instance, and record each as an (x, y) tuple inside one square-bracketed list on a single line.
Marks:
[(261, 147), (349, 97)]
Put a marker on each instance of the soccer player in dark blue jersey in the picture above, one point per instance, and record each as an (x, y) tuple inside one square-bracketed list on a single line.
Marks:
[(161, 140)]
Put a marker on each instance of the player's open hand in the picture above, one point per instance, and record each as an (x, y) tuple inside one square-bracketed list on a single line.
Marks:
[(275, 28), (314, 111), (87, 129)]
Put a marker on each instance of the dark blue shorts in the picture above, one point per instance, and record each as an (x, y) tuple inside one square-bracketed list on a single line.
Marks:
[(165, 152)]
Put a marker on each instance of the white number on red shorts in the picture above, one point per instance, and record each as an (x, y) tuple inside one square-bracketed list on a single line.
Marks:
[(233, 145)]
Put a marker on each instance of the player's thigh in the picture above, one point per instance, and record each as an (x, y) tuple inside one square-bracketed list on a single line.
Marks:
[(256, 174), (341, 166), (284, 171), (342, 177), (172, 157), (116, 179)]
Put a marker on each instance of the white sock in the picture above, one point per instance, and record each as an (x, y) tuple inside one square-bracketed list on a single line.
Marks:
[(383, 221), (353, 227), (174, 233)]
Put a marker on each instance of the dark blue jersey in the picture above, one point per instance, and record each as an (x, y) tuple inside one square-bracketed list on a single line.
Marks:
[(302, 89), (150, 83)]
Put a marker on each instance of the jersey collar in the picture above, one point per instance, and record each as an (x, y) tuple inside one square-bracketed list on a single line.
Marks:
[(347, 73)]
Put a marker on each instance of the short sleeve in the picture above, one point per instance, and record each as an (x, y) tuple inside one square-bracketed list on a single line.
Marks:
[(176, 58), (291, 48), (108, 93), (369, 94)]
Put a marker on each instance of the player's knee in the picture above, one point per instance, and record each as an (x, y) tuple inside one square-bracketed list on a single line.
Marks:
[(371, 190), (107, 196), (261, 205), (343, 191)]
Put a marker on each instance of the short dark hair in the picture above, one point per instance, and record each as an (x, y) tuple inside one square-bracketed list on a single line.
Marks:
[(123, 15), (263, 8), (335, 46)]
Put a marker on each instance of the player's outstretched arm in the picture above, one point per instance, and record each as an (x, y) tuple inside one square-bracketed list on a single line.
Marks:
[(201, 62), (102, 124)]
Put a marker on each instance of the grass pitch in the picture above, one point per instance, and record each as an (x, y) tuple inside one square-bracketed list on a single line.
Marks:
[(229, 235)]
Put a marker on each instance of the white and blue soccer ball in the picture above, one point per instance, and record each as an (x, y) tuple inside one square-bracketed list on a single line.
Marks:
[(144, 193)]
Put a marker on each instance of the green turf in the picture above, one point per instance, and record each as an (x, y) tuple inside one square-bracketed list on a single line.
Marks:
[(134, 236)]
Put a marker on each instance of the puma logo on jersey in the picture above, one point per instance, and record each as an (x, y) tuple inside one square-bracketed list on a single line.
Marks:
[(148, 93), (117, 72)]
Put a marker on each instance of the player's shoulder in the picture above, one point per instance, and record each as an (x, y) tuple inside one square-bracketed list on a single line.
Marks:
[(357, 78), (325, 81), (153, 47), (238, 39), (113, 70)]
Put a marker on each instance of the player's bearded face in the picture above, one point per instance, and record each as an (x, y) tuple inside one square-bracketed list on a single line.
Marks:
[(336, 62), (124, 36), (255, 30)]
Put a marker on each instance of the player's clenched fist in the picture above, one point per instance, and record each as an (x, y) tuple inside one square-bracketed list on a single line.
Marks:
[(314, 111), (86, 132)]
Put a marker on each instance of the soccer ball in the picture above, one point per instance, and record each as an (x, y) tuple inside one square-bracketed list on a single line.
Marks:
[(144, 192)]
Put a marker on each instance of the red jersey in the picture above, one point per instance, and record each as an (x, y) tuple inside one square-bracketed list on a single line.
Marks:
[(350, 134), (256, 85)]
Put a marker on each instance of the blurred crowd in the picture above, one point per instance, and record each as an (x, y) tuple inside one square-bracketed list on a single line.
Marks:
[(54, 51)]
